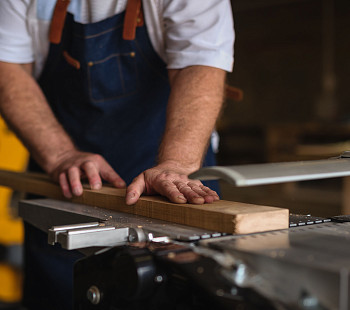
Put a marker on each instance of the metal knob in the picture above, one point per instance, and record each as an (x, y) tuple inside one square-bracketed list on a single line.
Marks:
[(93, 294)]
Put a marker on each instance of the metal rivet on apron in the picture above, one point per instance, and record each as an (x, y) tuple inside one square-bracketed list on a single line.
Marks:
[(90, 63), (132, 54)]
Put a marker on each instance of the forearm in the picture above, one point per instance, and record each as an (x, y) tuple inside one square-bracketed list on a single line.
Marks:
[(194, 105), (193, 108), (24, 107)]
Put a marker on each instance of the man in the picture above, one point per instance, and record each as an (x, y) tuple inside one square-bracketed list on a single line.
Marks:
[(101, 104)]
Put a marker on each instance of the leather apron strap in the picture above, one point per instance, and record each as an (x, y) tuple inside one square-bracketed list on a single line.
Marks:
[(133, 18), (57, 22)]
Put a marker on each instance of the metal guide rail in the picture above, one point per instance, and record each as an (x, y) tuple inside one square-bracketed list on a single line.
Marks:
[(77, 226), (269, 173)]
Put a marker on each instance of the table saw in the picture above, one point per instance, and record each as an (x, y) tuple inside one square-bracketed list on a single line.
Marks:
[(135, 262)]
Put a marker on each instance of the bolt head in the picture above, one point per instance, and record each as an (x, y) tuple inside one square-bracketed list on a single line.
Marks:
[(93, 294), (158, 279)]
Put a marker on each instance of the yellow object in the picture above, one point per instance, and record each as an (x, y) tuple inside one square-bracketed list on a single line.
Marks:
[(11, 283), (13, 156)]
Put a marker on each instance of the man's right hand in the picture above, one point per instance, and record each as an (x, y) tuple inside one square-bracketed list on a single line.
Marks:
[(26, 111), (74, 165)]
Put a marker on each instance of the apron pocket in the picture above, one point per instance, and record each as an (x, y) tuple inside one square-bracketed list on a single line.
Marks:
[(112, 77)]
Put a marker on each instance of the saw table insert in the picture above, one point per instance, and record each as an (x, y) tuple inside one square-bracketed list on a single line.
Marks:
[(221, 216)]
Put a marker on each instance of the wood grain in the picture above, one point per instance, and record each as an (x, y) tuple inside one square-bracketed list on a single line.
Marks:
[(221, 216)]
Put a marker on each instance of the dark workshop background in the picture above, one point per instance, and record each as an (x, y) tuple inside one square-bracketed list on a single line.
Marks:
[(292, 64)]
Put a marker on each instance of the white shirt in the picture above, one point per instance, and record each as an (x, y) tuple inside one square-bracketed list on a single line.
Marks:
[(182, 32)]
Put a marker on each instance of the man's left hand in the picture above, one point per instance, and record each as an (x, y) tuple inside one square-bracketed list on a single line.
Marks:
[(171, 182)]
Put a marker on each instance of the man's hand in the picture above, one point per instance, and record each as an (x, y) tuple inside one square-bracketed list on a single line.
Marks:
[(171, 182), (74, 165), (194, 104)]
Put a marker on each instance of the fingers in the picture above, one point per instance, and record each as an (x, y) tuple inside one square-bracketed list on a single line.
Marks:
[(205, 192), (93, 167), (190, 195), (171, 191), (70, 182), (182, 192), (176, 187), (169, 183), (62, 179), (74, 181), (135, 189), (92, 174), (108, 174)]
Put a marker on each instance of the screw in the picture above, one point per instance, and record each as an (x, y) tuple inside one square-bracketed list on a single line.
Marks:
[(234, 291), (158, 279), (310, 302), (93, 295), (132, 238), (200, 270)]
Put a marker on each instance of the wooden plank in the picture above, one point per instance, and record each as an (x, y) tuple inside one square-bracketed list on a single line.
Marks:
[(222, 216)]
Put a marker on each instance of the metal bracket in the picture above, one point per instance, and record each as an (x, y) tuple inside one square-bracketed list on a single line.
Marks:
[(92, 234)]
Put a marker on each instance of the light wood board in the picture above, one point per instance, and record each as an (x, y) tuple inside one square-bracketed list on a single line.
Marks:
[(221, 216)]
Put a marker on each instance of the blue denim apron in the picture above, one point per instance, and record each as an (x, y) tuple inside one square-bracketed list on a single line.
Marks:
[(110, 95)]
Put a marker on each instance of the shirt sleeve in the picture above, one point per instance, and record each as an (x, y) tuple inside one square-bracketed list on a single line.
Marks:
[(15, 42), (198, 32)]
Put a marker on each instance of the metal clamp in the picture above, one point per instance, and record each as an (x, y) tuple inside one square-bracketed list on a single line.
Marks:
[(345, 154), (92, 234)]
